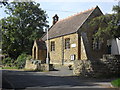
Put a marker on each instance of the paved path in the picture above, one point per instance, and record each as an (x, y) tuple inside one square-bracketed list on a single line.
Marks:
[(61, 78)]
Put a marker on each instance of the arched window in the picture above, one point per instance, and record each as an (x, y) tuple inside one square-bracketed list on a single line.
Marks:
[(35, 53), (96, 43)]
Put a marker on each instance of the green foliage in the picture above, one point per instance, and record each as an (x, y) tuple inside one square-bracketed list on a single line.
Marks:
[(116, 83), (21, 60), (24, 24), (8, 61), (4, 2), (107, 25)]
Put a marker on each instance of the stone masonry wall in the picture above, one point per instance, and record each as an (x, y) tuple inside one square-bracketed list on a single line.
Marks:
[(108, 66), (55, 56), (35, 65), (82, 67), (112, 62), (72, 50), (30, 66), (62, 55), (86, 34)]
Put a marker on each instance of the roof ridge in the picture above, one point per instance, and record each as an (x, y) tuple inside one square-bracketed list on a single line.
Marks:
[(77, 14)]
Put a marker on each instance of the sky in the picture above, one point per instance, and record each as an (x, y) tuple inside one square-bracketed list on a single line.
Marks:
[(65, 8)]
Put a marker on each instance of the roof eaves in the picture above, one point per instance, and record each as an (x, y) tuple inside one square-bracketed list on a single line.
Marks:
[(46, 32), (61, 35)]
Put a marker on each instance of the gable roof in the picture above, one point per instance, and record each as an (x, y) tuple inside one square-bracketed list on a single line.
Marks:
[(69, 25), (41, 44)]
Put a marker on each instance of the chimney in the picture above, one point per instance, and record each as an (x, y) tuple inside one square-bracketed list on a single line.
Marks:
[(55, 19)]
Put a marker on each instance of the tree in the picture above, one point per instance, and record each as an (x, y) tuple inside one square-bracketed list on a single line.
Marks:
[(4, 2), (24, 24), (108, 25), (8, 62)]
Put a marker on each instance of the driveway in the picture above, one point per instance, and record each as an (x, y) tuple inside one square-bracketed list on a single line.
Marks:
[(60, 78)]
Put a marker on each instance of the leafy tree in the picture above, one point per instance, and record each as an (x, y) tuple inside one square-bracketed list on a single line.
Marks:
[(8, 61), (3, 2), (108, 25), (24, 24)]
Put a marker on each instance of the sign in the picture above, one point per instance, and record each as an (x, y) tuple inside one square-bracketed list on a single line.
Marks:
[(73, 45), (73, 57)]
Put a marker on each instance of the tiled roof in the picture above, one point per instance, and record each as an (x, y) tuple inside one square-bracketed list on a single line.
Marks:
[(41, 44), (68, 25)]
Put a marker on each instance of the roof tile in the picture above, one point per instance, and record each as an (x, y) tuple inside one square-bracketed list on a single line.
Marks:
[(68, 25)]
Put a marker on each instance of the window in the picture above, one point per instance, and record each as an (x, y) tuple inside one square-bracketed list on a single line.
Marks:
[(67, 43), (73, 57), (96, 43), (52, 46)]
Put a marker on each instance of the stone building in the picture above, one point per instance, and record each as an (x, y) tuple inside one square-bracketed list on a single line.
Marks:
[(71, 39), (39, 50)]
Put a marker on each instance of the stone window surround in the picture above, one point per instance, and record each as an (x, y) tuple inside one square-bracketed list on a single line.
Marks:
[(96, 44), (52, 45), (67, 43)]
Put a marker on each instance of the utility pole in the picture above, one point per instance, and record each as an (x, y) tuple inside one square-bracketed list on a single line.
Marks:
[(47, 59)]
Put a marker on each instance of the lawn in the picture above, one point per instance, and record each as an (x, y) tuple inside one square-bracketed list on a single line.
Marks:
[(116, 83)]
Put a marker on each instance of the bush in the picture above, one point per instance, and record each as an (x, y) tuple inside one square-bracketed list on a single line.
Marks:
[(8, 62), (21, 60)]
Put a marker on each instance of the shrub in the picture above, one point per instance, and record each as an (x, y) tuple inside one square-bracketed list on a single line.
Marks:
[(8, 61), (116, 83), (21, 60)]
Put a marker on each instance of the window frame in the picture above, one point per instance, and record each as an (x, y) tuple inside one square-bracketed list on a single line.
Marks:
[(52, 45), (67, 43), (96, 44)]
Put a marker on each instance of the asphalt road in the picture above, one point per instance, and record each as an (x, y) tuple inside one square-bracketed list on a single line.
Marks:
[(54, 79)]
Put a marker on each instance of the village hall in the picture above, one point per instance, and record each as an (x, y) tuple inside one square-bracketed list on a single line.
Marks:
[(70, 39)]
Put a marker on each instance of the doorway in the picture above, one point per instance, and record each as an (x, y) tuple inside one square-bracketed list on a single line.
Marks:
[(35, 53)]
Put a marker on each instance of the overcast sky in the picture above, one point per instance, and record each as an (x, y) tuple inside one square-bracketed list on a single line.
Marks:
[(64, 8)]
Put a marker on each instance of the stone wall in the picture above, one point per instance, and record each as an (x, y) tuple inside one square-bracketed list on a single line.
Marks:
[(30, 66), (38, 53), (83, 53), (46, 67), (86, 34), (108, 66), (82, 67), (73, 49), (112, 62), (62, 55), (55, 56), (34, 65)]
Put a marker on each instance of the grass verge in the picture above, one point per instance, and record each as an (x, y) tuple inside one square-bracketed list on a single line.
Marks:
[(9, 68), (116, 83)]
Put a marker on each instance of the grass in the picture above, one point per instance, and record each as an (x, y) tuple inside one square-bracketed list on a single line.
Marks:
[(116, 83), (9, 68)]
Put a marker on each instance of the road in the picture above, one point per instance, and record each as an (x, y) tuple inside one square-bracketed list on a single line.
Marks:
[(61, 78)]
